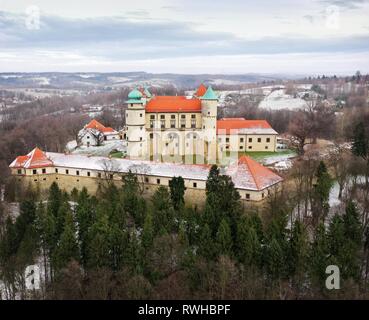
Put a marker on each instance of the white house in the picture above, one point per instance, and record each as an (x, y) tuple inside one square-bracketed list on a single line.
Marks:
[(95, 133)]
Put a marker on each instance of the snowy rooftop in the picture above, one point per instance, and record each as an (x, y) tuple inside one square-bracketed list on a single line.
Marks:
[(246, 174)]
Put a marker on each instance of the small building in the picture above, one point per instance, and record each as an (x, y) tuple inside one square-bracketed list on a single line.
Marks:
[(239, 134), (253, 181), (95, 133)]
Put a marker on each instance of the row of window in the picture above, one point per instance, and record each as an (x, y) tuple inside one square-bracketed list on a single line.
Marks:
[(242, 140), (172, 116), (172, 125), (241, 148), (111, 176)]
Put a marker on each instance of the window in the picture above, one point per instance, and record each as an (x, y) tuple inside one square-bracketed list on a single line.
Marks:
[(66, 171), (195, 185), (146, 179), (250, 147), (140, 115), (77, 180), (183, 116), (263, 195), (241, 139), (172, 123), (34, 171), (227, 139), (250, 139), (162, 116), (259, 139), (151, 136), (111, 176), (166, 144), (151, 124), (140, 138), (152, 117), (158, 181), (220, 139), (77, 172), (141, 128), (43, 170), (99, 175), (131, 104), (193, 116), (241, 147), (208, 113), (19, 171), (88, 173), (183, 124), (173, 116), (35, 180), (88, 137), (56, 170), (162, 124), (268, 139), (247, 196), (266, 147), (193, 123)]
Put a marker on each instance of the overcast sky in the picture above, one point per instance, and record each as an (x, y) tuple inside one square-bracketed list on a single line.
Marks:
[(185, 36)]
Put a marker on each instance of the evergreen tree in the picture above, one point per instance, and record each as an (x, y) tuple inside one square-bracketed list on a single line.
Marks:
[(299, 251), (322, 189), (67, 249), (133, 205), (206, 243), (177, 191), (248, 244), (163, 214), (360, 145), (274, 260), (148, 232), (318, 257), (224, 239)]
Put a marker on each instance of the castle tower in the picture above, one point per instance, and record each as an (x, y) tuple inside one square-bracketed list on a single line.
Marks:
[(135, 122), (209, 106)]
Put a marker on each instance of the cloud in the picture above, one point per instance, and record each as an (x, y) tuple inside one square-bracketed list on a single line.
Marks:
[(346, 4)]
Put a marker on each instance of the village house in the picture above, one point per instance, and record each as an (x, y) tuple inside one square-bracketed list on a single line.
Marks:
[(253, 181), (94, 134)]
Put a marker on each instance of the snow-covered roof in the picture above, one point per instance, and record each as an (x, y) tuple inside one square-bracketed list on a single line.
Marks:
[(246, 174)]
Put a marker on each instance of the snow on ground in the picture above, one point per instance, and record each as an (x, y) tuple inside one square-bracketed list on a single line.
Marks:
[(278, 100), (103, 150)]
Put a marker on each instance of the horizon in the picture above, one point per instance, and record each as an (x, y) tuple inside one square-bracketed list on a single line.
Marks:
[(197, 37)]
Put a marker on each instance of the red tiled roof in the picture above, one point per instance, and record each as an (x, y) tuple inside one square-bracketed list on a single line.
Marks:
[(35, 159), (252, 175), (226, 124), (201, 90), (173, 104), (94, 124)]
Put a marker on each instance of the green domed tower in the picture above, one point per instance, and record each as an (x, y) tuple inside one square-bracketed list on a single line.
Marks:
[(135, 122)]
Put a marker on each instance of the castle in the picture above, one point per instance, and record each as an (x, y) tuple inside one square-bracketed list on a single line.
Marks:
[(180, 125), (162, 125)]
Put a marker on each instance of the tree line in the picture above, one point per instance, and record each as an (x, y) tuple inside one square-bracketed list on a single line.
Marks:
[(118, 245)]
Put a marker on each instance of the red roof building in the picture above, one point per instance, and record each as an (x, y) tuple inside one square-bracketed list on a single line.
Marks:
[(228, 125), (94, 124), (173, 104), (35, 159)]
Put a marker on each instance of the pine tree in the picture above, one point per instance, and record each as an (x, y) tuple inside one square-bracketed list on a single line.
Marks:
[(248, 244), (148, 232), (322, 189), (67, 249), (224, 239), (360, 145), (163, 214), (206, 243), (299, 251), (318, 257), (274, 260), (177, 191)]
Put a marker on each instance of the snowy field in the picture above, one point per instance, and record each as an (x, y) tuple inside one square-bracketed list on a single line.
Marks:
[(278, 100), (103, 150)]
